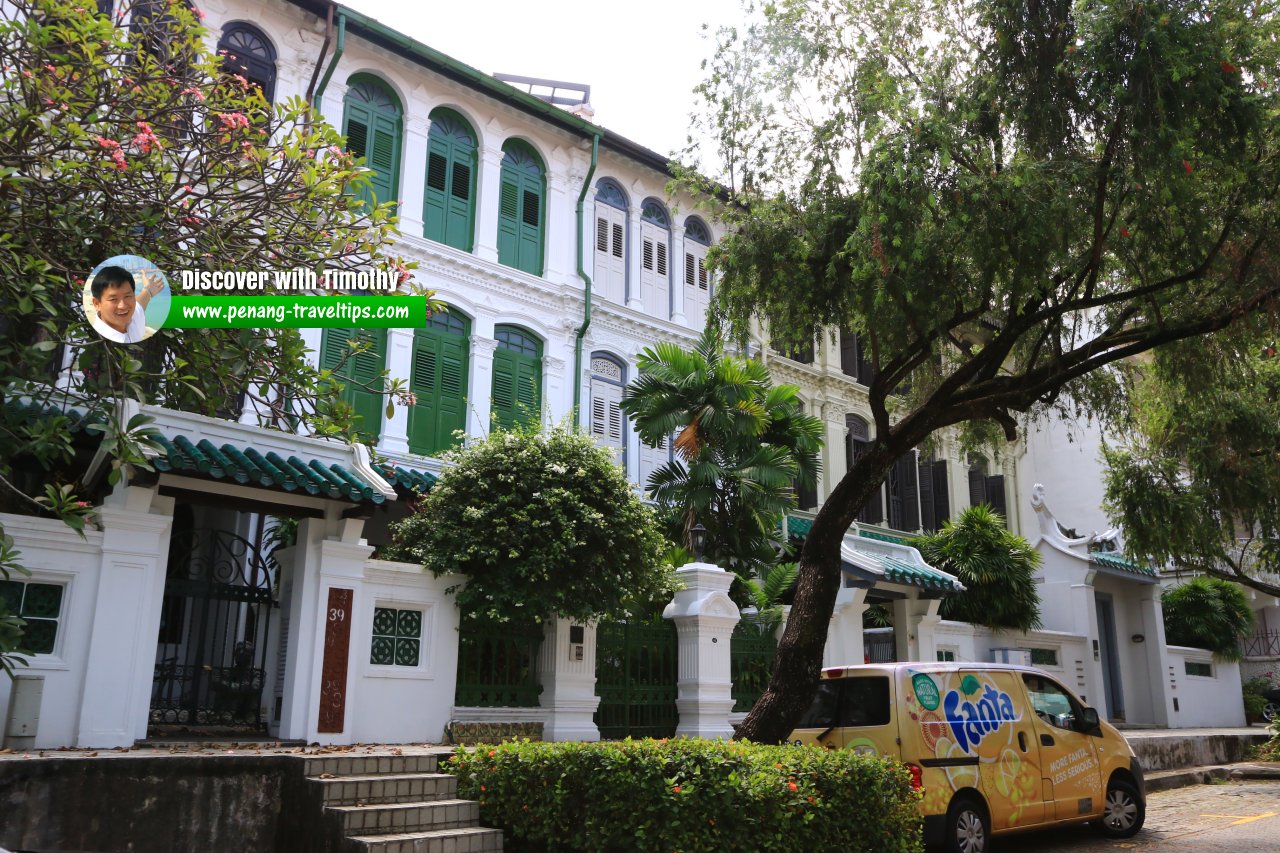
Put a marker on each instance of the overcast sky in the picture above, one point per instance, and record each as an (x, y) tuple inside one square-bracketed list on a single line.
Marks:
[(640, 60)]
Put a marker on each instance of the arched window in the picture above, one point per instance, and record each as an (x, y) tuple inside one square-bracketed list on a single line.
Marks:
[(439, 382), (611, 241), (360, 374), (521, 217), (857, 441), (517, 377), (655, 278), (697, 283), (984, 488), (935, 500), (448, 213), (855, 357), (372, 122), (246, 51), (608, 376)]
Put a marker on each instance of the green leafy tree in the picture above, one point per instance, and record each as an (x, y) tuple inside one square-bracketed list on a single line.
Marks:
[(538, 524), (740, 442), (1000, 198), (996, 566), (133, 138), (1207, 613), (1195, 459)]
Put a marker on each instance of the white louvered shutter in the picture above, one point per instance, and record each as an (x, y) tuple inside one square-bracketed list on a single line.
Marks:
[(654, 289), (611, 268)]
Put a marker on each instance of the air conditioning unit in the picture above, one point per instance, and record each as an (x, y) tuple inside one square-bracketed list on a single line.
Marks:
[(1022, 657)]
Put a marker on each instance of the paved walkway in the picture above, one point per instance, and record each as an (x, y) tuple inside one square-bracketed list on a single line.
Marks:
[(212, 748)]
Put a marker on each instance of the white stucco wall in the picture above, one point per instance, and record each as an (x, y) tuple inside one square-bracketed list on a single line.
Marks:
[(1065, 456), (1204, 701)]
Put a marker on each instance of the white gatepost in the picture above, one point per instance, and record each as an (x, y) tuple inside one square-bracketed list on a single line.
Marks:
[(567, 672), (844, 637), (705, 617)]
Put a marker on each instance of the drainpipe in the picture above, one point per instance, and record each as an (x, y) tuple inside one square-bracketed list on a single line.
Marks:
[(324, 49), (586, 280), (337, 53)]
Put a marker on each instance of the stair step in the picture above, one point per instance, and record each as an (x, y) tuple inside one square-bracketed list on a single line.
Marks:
[(469, 840), (389, 818), (361, 765), (389, 788)]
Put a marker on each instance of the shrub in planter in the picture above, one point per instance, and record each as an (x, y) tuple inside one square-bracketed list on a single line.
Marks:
[(689, 795)]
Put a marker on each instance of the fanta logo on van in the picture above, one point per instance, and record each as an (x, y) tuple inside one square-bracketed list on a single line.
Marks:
[(971, 722)]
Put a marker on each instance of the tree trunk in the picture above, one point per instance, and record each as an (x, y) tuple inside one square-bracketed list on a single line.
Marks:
[(799, 658)]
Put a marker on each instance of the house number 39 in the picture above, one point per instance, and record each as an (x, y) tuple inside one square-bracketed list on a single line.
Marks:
[(337, 614)]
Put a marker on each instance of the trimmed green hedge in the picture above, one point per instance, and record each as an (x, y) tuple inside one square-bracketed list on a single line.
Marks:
[(689, 796)]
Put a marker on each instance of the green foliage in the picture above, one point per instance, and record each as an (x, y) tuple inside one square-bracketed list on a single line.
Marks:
[(767, 594), (740, 444), (688, 794), (1207, 613), (1192, 478), (540, 524), (996, 566), (1254, 697), (1270, 751)]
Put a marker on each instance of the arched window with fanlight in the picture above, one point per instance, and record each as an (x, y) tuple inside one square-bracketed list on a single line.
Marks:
[(655, 242), (245, 50), (857, 441), (372, 121), (608, 376), (439, 382), (611, 241), (449, 211), (517, 377), (359, 372), (697, 282), (521, 208)]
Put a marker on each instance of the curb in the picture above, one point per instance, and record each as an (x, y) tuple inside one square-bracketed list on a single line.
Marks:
[(1167, 780)]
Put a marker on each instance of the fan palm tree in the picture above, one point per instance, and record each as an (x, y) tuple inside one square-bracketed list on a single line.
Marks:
[(1207, 613), (741, 444)]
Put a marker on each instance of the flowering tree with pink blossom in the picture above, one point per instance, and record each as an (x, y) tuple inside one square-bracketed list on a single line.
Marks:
[(125, 133)]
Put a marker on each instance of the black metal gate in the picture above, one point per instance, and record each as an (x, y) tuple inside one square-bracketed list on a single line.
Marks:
[(214, 625), (636, 672)]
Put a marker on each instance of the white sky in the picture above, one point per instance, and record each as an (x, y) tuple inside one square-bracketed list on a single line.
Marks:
[(640, 60)]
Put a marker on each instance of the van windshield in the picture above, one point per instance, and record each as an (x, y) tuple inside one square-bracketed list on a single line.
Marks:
[(849, 702)]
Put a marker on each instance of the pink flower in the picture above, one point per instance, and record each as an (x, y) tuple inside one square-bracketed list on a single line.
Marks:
[(117, 157), (233, 121), (200, 16), (146, 140), (107, 143), (194, 92)]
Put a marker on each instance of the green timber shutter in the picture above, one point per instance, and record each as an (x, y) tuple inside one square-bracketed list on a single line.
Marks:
[(362, 369), (995, 495), (941, 500), (448, 209), (439, 381), (384, 157), (517, 379), (372, 125), (521, 210), (928, 518), (977, 486)]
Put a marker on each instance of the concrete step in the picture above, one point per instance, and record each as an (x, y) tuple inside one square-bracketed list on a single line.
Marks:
[(364, 765), (1171, 749), (468, 840), (371, 789), (392, 818)]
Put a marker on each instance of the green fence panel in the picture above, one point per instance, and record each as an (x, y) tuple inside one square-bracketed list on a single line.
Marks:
[(498, 665), (751, 651), (636, 672)]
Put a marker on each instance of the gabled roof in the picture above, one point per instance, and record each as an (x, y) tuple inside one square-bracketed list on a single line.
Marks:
[(874, 555), (1122, 563)]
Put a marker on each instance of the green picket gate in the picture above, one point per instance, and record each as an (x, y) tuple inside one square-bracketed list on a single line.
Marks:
[(636, 672), (498, 665)]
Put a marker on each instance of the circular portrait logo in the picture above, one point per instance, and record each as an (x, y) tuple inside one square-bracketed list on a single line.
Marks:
[(126, 299)]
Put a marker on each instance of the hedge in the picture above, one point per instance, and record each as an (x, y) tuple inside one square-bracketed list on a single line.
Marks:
[(688, 796)]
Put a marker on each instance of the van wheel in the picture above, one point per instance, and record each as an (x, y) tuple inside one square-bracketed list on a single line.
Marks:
[(1124, 812), (968, 828)]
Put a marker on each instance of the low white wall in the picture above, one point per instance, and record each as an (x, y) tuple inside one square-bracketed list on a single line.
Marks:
[(400, 704), (56, 555), (1204, 701)]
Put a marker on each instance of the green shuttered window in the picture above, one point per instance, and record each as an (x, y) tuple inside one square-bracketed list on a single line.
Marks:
[(448, 212), (521, 208), (40, 604), (360, 374), (372, 123), (517, 378), (439, 382)]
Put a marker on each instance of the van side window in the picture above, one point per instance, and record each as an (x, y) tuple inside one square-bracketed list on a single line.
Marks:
[(1050, 702), (822, 713), (865, 701)]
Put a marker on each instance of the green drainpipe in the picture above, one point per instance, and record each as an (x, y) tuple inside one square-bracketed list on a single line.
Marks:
[(586, 280), (337, 54)]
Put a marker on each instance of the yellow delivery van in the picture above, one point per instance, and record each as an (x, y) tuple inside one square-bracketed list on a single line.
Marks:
[(993, 748)]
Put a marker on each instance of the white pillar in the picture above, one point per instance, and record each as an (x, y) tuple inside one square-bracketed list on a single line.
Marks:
[(1085, 617), (914, 620), (834, 464), (479, 404), (395, 430), (1156, 653), (844, 637), (413, 176), (567, 672), (557, 397), (488, 189), (704, 616), (677, 280), (560, 237), (635, 251), (116, 702)]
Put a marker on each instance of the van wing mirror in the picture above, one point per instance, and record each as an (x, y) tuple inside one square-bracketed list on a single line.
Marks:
[(1088, 719)]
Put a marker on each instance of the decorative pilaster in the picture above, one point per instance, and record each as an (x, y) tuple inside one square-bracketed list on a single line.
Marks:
[(567, 672), (488, 190), (412, 181), (844, 637), (483, 346), (395, 430), (705, 617)]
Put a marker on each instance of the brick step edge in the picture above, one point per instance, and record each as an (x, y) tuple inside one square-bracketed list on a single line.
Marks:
[(475, 839), (1165, 780)]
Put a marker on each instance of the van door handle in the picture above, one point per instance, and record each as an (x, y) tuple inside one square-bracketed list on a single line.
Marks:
[(1046, 740), (1022, 741)]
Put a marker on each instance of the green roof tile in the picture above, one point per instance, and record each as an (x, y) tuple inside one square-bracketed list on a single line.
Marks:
[(1123, 563), (799, 527), (883, 537), (408, 478), (249, 466)]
